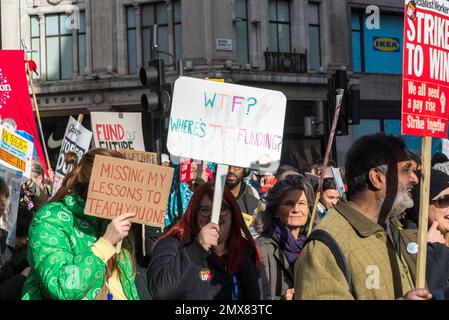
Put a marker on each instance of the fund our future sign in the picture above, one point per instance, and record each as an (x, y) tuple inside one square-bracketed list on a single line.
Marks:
[(226, 124), (426, 69), (119, 186), (117, 130)]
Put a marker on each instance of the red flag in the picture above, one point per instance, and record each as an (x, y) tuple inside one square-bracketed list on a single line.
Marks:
[(32, 66), (15, 99)]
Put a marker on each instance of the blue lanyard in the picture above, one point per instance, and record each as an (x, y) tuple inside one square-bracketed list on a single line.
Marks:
[(235, 287)]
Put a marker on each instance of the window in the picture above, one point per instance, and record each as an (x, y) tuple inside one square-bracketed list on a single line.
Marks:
[(377, 50), (153, 14), (241, 31), (132, 40), (314, 37), (178, 28), (59, 42), (357, 53), (35, 43), (279, 26), (82, 44)]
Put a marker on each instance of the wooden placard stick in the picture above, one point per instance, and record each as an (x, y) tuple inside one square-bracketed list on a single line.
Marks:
[(423, 212), (339, 99), (36, 107)]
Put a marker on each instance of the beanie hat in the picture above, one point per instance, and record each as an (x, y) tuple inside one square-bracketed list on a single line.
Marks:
[(443, 166), (438, 182)]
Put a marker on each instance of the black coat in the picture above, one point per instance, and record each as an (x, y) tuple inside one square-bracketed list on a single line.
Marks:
[(437, 267), (175, 273)]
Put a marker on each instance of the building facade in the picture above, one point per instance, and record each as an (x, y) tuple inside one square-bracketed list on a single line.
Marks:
[(89, 53)]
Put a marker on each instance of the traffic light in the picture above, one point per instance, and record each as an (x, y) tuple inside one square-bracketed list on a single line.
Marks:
[(152, 77), (350, 105)]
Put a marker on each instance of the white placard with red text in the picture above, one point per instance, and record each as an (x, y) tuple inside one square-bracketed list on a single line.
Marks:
[(425, 87), (117, 130)]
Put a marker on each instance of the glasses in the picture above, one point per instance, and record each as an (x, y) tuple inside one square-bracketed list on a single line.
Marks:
[(206, 211), (441, 202)]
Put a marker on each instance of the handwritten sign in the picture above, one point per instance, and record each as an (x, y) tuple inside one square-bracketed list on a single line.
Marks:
[(140, 156), (76, 139), (114, 130), (425, 86), (16, 152), (226, 123), (119, 186)]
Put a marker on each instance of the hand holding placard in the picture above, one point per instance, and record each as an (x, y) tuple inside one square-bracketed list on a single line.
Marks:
[(118, 228)]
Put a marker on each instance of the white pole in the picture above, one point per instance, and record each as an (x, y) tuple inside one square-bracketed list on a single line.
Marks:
[(220, 180)]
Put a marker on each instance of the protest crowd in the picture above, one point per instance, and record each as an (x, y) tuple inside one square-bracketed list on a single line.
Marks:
[(211, 211), (362, 245)]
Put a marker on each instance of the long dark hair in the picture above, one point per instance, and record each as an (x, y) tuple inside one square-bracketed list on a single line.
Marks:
[(77, 183), (239, 234), (276, 195)]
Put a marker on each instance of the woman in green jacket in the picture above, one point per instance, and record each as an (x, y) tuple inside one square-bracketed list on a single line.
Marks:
[(73, 256)]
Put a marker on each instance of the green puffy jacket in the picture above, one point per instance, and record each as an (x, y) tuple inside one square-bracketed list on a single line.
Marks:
[(63, 266)]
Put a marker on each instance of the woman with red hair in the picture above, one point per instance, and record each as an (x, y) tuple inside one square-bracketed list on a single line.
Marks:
[(201, 260)]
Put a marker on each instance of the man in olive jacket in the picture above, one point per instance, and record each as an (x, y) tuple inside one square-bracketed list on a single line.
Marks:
[(380, 178)]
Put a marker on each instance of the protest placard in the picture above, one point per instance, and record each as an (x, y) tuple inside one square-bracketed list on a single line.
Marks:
[(119, 186), (140, 156), (338, 181), (226, 123), (424, 93), (16, 152), (117, 130), (9, 219), (425, 87), (76, 139)]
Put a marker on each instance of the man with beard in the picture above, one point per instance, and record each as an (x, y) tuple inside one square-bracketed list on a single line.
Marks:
[(243, 193), (351, 253)]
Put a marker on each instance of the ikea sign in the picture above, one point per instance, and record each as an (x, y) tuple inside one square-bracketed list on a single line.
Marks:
[(386, 44)]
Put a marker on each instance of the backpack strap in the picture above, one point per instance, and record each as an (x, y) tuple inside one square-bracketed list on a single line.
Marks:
[(329, 241)]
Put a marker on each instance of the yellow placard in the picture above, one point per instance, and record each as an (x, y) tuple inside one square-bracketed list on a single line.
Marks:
[(15, 141)]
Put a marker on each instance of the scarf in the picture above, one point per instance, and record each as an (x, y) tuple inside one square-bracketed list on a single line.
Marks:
[(290, 246)]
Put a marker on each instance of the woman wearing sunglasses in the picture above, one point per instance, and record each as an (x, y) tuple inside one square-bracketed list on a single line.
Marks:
[(438, 204), (201, 260), (437, 265)]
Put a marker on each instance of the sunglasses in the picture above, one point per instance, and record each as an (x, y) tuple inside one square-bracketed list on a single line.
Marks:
[(441, 202)]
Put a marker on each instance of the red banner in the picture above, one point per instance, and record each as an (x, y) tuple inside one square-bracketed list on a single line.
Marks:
[(425, 85), (15, 99)]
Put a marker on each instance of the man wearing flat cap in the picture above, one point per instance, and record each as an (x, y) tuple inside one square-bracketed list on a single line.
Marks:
[(351, 253)]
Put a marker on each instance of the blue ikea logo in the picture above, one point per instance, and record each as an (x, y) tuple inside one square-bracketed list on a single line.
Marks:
[(386, 44)]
